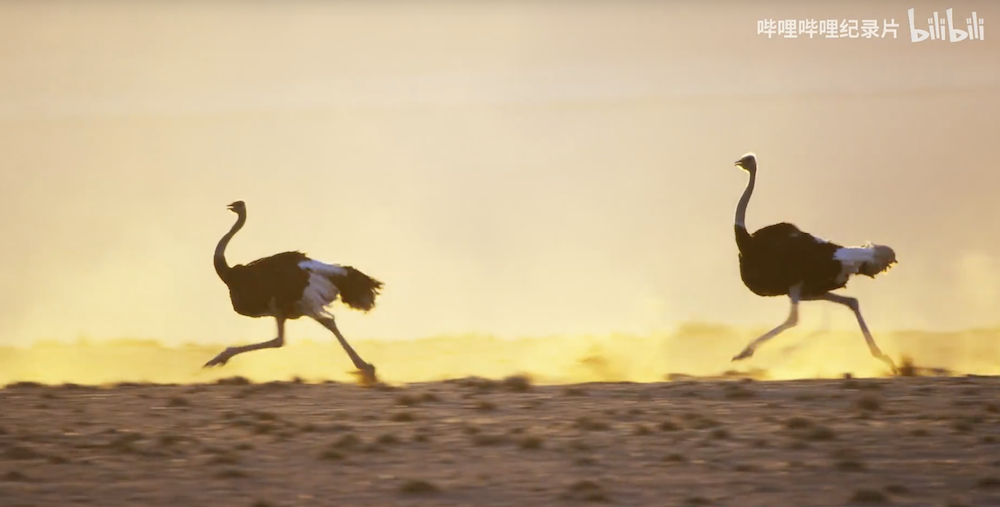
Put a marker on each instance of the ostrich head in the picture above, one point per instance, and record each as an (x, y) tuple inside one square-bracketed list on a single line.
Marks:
[(748, 162), (238, 207)]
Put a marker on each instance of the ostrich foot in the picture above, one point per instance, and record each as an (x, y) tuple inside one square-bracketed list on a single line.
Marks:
[(747, 352), (221, 359), (366, 375), (887, 360)]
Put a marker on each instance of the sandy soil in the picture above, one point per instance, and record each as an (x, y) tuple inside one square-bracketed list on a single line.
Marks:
[(905, 441)]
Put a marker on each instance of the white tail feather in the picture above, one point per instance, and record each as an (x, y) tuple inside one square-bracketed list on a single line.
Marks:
[(323, 268), (869, 259), (321, 291)]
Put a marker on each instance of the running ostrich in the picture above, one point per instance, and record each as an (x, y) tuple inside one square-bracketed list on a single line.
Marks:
[(290, 285), (782, 260)]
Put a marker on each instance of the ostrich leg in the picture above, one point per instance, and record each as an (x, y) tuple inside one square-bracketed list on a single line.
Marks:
[(852, 303), (366, 370), (226, 355), (790, 322)]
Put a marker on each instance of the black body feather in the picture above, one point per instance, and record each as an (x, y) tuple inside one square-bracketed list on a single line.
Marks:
[(269, 285), (779, 256)]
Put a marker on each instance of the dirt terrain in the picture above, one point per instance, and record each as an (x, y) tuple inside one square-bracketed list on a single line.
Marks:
[(903, 441)]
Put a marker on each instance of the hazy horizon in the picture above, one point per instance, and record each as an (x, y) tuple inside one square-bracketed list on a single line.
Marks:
[(693, 350), (512, 169)]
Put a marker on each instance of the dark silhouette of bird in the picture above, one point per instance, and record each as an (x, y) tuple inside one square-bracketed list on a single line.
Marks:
[(290, 285), (780, 260)]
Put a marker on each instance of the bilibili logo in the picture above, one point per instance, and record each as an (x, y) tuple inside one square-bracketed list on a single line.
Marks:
[(943, 28)]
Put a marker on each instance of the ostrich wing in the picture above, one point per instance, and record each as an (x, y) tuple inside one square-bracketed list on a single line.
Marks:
[(278, 278), (796, 253)]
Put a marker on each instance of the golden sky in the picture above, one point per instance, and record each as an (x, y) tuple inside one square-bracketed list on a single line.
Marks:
[(518, 168)]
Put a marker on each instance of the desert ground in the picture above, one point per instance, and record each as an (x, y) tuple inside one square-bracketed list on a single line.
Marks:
[(921, 441)]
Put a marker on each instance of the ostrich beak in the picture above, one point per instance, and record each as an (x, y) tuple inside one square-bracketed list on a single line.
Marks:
[(736, 163)]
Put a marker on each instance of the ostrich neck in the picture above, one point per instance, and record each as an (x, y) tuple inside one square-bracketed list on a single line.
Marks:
[(742, 235), (221, 267), (741, 208)]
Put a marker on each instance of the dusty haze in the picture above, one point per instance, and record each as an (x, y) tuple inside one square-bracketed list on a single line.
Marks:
[(507, 168)]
